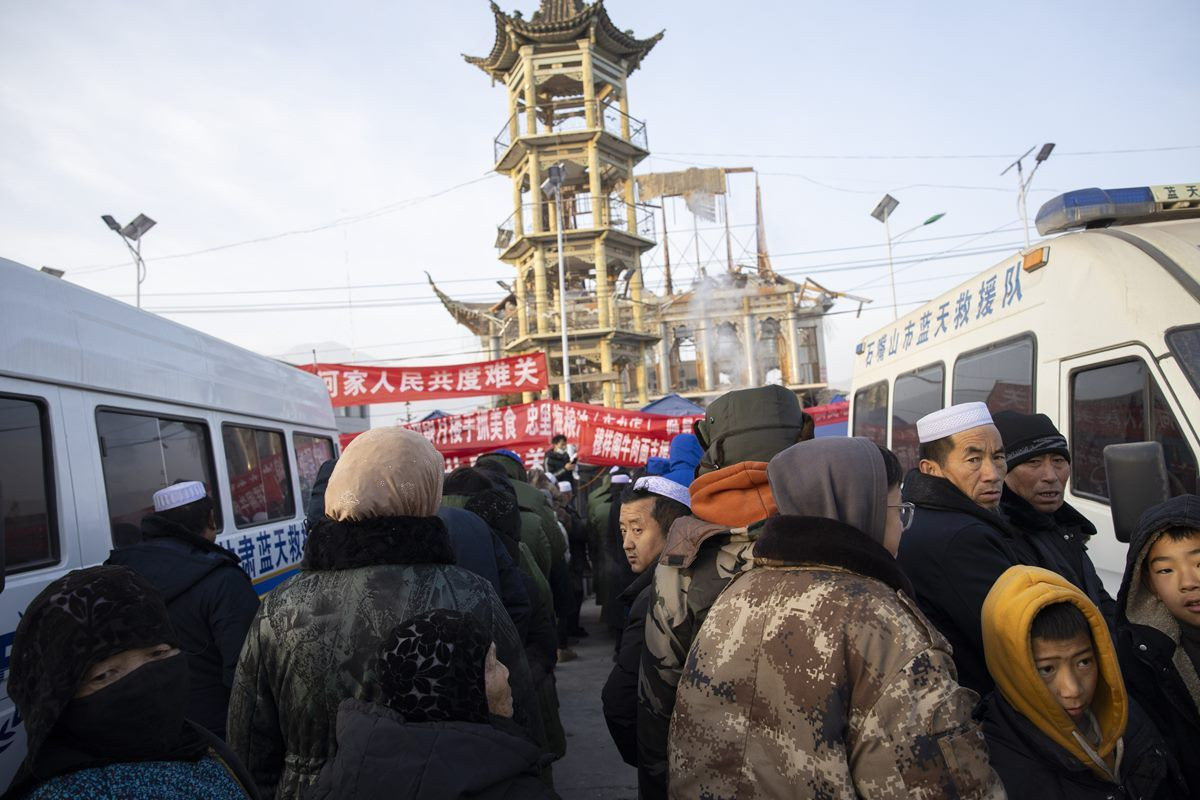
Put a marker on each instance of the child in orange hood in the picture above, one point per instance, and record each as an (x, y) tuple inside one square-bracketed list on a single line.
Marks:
[(1059, 723)]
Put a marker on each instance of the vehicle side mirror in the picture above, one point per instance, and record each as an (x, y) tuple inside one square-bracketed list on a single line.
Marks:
[(1137, 480)]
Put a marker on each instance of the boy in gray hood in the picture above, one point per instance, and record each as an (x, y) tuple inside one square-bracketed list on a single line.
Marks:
[(1158, 625)]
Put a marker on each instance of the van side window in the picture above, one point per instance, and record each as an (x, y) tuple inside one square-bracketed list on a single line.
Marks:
[(1000, 375), (1117, 403), (870, 412), (917, 394), (260, 483), (27, 509), (311, 453), (142, 453)]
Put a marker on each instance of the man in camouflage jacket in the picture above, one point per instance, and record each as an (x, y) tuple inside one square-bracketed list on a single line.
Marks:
[(740, 432)]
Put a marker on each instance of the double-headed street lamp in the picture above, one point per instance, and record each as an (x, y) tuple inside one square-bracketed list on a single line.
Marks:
[(1023, 182), (133, 232), (553, 186), (883, 213)]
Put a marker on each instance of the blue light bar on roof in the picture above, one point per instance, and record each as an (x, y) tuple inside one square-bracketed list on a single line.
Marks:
[(1094, 207)]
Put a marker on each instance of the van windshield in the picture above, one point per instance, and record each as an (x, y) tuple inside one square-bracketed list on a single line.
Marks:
[(1185, 346)]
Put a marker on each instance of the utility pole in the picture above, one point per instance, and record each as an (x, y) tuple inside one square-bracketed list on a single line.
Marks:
[(1023, 182)]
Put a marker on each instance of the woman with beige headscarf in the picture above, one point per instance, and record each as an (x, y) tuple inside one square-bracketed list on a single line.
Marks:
[(378, 557)]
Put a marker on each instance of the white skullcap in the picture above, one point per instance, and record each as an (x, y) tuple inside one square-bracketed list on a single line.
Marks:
[(952, 420), (614, 470), (664, 487), (178, 494), (565, 486), (620, 477)]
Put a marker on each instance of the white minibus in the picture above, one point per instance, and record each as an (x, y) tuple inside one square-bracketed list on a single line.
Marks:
[(1098, 328), (101, 405)]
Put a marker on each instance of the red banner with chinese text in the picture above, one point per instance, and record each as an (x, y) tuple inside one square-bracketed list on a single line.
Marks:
[(603, 436), (351, 385)]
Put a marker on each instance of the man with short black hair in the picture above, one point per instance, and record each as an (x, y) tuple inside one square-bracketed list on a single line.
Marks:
[(210, 599), (1034, 500), (958, 543)]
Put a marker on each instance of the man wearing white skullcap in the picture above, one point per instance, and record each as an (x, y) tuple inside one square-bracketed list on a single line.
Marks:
[(210, 599), (648, 508), (958, 543)]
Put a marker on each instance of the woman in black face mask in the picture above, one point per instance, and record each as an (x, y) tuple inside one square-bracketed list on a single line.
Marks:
[(102, 688)]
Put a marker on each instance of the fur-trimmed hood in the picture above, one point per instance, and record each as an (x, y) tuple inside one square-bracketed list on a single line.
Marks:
[(803, 541), (371, 542)]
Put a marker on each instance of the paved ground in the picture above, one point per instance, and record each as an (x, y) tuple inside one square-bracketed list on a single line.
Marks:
[(592, 768)]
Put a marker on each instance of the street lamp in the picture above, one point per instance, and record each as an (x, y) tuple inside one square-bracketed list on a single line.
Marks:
[(133, 232), (883, 213), (553, 185), (1023, 182)]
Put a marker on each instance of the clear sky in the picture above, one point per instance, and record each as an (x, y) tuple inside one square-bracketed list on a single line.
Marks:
[(355, 144)]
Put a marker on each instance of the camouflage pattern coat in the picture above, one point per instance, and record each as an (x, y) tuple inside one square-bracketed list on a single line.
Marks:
[(816, 676), (701, 555), (316, 639)]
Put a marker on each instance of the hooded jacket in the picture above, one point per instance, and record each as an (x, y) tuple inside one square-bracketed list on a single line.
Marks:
[(535, 512), (381, 756), (1035, 745), (1158, 673), (953, 553), (701, 555), (478, 549), (685, 455), (814, 674), (211, 602), (316, 636)]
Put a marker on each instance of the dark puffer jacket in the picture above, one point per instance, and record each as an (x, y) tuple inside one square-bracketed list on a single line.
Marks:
[(316, 639), (1158, 672), (211, 602), (1065, 532), (380, 756), (1032, 766), (619, 695), (953, 553)]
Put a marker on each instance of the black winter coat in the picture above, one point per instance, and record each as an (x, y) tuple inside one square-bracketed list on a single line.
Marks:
[(953, 553), (478, 549), (1066, 532), (620, 693), (211, 602), (1032, 766), (380, 757), (1150, 659)]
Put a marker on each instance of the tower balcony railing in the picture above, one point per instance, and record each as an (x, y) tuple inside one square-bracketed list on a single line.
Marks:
[(582, 314), (571, 117), (579, 214)]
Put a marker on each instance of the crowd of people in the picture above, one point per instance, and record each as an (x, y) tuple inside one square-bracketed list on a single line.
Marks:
[(792, 617)]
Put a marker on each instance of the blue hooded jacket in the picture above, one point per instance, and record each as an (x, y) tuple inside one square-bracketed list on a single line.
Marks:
[(685, 456)]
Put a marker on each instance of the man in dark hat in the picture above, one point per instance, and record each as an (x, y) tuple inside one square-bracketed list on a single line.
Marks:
[(1034, 500)]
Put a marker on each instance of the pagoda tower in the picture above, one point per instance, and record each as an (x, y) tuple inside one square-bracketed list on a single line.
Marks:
[(565, 72)]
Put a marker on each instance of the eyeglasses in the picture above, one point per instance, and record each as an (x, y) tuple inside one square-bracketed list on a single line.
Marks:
[(907, 513)]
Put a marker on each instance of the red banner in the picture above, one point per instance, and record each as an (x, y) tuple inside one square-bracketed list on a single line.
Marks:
[(829, 414), (351, 385), (603, 436)]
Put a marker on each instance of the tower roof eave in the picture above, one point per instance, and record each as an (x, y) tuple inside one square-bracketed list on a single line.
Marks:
[(512, 33), (475, 317)]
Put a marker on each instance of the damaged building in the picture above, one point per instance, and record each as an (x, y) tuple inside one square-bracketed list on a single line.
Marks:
[(570, 143)]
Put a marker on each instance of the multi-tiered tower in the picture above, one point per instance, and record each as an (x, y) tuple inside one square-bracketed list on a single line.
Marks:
[(565, 72)]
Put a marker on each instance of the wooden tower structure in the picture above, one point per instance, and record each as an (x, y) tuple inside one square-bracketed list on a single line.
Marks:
[(565, 72)]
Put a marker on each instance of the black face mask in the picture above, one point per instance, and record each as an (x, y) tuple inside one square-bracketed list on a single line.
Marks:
[(138, 718)]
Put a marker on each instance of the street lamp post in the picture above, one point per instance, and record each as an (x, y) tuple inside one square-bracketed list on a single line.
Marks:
[(1023, 182), (883, 213), (553, 183), (133, 232)]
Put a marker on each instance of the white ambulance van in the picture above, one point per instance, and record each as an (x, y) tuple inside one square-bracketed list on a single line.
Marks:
[(101, 405), (1098, 328)]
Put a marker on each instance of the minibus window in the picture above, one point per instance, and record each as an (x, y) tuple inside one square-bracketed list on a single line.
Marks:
[(260, 483), (311, 453), (1185, 346), (26, 486), (917, 394), (1001, 376), (142, 453), (870, 412), (1117, 403)]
